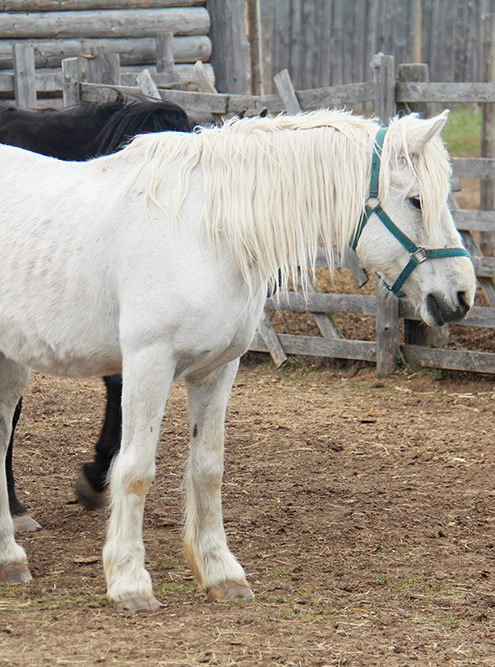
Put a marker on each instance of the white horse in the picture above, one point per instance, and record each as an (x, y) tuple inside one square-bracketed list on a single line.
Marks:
[(155, 261)]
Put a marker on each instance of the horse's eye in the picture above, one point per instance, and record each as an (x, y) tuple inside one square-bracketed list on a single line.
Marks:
[(416, 202)]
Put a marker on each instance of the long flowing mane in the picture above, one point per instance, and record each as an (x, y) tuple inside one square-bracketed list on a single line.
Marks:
[(275, 188)]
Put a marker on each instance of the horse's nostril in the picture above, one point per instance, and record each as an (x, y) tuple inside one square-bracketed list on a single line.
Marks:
[(435, 310), (463, 304)]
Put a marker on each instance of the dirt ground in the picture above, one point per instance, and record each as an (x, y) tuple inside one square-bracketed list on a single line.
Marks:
[(363, 512)]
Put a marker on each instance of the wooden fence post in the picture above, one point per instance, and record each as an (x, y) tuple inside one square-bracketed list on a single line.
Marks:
[(24, 76), (230, 49), (103, 67), (387, 305), (73, 72), (487, 239)]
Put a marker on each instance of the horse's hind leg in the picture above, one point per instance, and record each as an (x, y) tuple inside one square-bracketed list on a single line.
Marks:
[(13, 381), (215, 568), (91, 484)]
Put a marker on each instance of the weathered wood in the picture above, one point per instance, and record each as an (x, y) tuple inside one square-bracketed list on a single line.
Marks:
[(73, 72), (287, 93), (49, 81), (487, 239), (133, 23), (65, 5), (147, 85), (336, 96), (414, 72), (230, 52), (440, 93), (165, 63), (321, 347), (271, 341), (49, 53), (387, 316), (255, 47), (383, 78), (322, 302), (24, 76), (458, 360), (103, 67), (474, 220), (473, 167), (203, 80)]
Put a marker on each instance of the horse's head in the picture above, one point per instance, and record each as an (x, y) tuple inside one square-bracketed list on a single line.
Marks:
[(407, 233)]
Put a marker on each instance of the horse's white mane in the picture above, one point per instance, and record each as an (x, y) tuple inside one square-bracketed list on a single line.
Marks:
[(274, 188)]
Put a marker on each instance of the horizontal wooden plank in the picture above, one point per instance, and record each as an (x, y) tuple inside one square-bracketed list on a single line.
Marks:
[(336, 96), (456, 93), (223, 103), (320, 302), (49, 53), (104, 23), (69, 5), (50, 80), (457, 360), (336, 348), (474, 220), (473, 167), (484, 266)]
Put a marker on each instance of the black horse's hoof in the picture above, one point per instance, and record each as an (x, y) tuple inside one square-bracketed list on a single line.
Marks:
[(24, 523), (87, 496)]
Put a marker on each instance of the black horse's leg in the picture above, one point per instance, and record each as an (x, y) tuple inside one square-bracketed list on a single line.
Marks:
[(20, 516), (92, 481)]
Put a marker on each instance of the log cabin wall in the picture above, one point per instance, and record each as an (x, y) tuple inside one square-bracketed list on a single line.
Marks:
[(59, 29)]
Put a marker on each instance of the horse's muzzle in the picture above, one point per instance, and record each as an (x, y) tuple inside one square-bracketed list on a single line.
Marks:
[(443, 312)]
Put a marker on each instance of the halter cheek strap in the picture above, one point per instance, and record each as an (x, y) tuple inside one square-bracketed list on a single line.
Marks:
[(417, 254)]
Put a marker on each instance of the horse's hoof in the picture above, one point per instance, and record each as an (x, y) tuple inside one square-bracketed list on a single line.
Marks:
[(87, 496), (138, 604), (229, 590), (24, 523), (14, 573)]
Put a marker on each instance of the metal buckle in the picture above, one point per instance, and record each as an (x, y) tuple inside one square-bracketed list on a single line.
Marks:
[(372, 202), (419, 255)]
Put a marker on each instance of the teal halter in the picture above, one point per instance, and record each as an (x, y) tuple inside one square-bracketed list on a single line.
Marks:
[(417, 254)]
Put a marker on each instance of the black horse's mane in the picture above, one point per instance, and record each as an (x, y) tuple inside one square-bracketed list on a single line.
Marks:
[(89, 129)]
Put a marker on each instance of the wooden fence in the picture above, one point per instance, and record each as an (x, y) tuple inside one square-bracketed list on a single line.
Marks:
[(385, 93), (330, 42)]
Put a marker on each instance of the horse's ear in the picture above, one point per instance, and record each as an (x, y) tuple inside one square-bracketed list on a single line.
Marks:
[(425, 131)]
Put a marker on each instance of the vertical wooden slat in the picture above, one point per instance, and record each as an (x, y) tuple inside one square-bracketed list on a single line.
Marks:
[(387, 316), (230, 50), (103, 67), (255, 47), (24, 76), (73, 72)]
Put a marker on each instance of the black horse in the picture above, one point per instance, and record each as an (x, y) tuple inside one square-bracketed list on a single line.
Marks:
[(79, 133)]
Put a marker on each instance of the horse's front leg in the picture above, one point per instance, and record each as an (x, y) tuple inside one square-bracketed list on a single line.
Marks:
[(146, 382), (13, 564), (215, 568)]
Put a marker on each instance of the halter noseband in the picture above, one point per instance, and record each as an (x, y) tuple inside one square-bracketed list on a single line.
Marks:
[(417, 254)]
